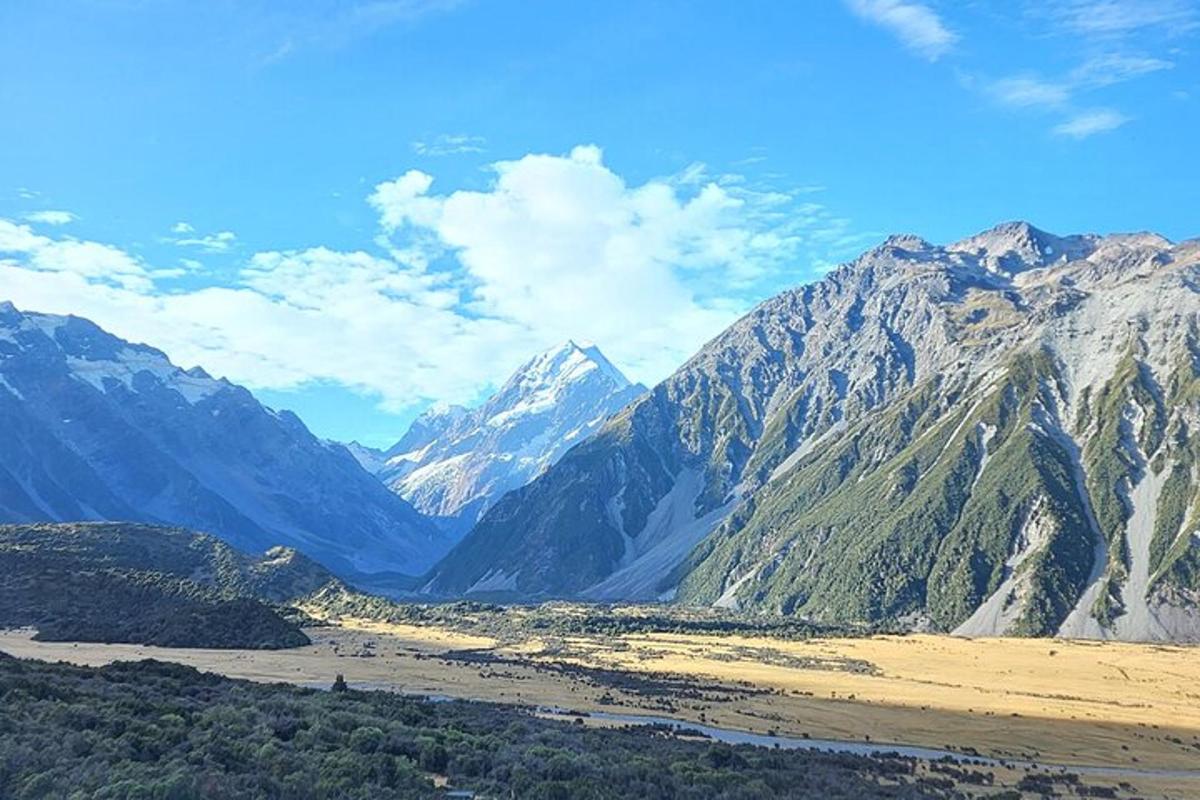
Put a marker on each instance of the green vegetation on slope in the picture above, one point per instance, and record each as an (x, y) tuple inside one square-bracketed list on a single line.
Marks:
[(896, 516), (559, 533), (1175, 563), (142, 584), (1112, 468)]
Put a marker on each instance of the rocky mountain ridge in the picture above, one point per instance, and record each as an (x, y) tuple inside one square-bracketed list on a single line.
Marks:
[(992, 436), (96, 428)]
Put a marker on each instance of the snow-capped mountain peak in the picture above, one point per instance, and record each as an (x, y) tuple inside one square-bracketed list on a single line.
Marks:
[(543, 381), (995, 436), (93, 427), (100, 359), (453, 463)]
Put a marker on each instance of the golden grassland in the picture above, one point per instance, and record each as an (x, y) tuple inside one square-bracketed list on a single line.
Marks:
[(1080, 703)]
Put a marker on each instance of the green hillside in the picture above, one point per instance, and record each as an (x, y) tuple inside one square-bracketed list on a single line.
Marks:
[(142, 584)]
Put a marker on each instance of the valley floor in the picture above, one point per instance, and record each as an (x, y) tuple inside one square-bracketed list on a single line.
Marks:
[(1132, 709)]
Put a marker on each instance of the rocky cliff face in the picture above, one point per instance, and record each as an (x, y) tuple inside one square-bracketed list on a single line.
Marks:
[(454, 463), (992, 436), (96, 428)]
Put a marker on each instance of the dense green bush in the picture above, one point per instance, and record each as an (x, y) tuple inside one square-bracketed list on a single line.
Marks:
[(156, 731), (145, 584)]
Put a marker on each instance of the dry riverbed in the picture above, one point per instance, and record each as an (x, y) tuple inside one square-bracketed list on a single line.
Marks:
[(1136, 707)]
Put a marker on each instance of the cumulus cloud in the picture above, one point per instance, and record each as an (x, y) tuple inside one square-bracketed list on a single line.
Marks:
[(916, 25), (466, 284), (563, 246), (92, 261)]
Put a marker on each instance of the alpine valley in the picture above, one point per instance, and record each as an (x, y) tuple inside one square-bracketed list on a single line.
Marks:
[(995, 436)]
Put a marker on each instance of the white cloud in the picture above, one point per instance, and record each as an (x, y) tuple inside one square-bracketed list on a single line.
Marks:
[(1089, 123), (470, 283), (51, 217), (1098, 72), (182, 227), (1029, 90), (93, 261), (212, 243), (1113, 68), (300, 26), (1116, 18), (916, 25), (450, 144), (562, 247)]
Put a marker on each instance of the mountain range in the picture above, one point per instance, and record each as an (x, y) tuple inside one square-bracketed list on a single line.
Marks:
[(96, 428), (454, 463), (994, 436)]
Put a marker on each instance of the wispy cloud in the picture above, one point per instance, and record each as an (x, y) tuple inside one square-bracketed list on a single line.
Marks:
[(51, 217), (1114, 41), (916, 25), (1063, 94), (1114, 68), (449, 144), (1025, 91), (1089, 123), (325, 25), (1117, 18), (212, 243)]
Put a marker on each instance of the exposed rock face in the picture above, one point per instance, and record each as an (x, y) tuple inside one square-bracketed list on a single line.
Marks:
[(994, 436), (454, 464), (96, 428)]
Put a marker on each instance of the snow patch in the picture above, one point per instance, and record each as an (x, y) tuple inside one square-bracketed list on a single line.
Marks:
[(134, 362)]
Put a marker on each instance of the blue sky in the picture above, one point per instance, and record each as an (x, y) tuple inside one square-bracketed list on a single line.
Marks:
[(359, 209)]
